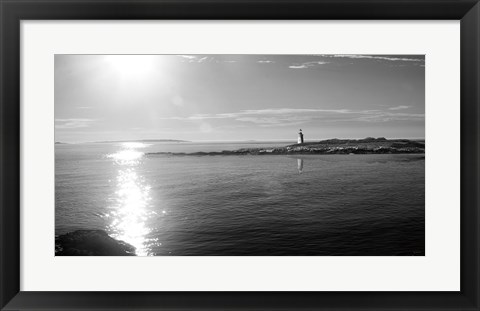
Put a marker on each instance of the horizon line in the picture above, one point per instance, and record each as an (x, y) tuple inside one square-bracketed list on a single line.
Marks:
[(225, 141)]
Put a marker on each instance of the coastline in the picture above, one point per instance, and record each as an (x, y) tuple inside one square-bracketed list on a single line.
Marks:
[(367, 145)]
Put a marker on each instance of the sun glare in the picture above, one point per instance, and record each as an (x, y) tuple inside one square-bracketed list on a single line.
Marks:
[(130, 209), (132, 66)]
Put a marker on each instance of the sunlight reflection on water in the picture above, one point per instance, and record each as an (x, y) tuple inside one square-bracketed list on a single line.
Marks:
[(130, 209)]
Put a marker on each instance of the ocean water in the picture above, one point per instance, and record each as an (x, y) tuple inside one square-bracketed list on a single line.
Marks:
[(320, 205)]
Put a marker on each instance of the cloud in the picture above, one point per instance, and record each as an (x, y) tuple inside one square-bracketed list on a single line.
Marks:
[(188, 56), (390, 116), (290, 111), (193, 58), (260, 112), (307, 65), (276, 120), (398, 107), (265, 62), (204, 59), (386, 58), (292, 116), (72, 123)]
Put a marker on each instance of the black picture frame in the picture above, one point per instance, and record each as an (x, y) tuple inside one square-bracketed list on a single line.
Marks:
[(12, 12)]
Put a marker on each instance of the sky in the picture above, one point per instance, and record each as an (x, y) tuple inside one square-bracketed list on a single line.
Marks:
[(238, 97)]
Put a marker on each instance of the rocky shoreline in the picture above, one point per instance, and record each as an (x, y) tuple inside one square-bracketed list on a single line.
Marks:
[(367, 145), (91, 243)]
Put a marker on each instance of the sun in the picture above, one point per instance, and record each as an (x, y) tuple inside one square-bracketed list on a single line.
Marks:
[(132, 66)]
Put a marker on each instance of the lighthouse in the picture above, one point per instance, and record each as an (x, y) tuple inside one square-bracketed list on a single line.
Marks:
[(300, 137)]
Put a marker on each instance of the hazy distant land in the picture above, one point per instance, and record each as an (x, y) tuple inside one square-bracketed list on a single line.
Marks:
[(144, 141), (367, 145)]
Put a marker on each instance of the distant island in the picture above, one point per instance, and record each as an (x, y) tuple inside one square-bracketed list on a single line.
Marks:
[(144, 141), (367, 145)]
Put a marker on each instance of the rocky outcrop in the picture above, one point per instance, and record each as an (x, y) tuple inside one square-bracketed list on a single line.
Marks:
[(368, 145), (91, 243)]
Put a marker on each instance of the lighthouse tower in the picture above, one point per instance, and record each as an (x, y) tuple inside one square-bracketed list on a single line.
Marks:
[(300, 137)]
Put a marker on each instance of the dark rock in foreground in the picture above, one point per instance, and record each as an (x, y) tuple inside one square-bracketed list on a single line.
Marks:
[(91, 243), (367, 145)]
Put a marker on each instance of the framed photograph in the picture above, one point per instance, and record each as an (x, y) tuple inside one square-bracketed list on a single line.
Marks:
[(239, 155)]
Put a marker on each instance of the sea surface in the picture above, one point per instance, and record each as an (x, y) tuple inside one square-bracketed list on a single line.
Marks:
[(265, 205)]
